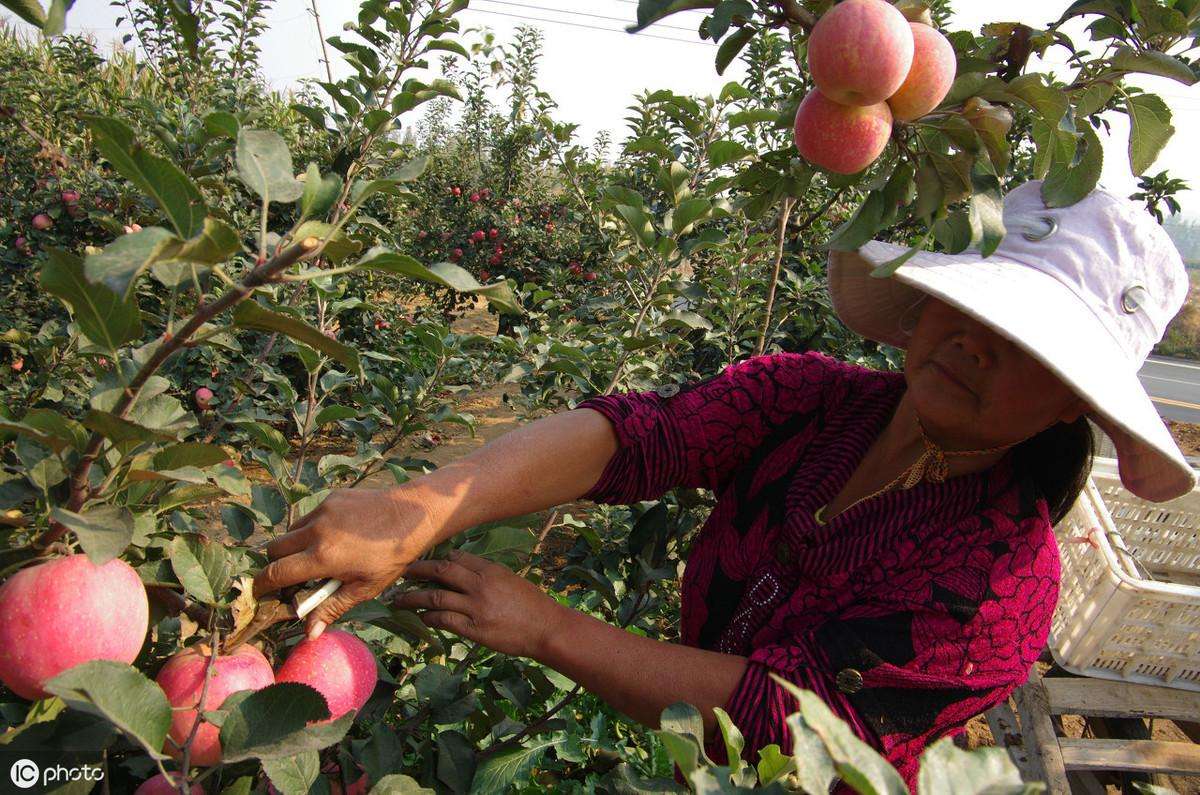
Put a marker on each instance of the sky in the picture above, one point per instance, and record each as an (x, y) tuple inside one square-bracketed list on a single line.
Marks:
[(594, 74)]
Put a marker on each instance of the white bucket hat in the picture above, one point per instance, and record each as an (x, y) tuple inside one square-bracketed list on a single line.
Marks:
[(1088, 290)]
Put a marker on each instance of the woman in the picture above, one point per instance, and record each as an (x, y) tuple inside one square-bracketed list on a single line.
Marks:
[(882, 539)]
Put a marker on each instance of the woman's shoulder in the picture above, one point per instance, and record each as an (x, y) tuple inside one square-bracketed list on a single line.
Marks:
[(820, 369)]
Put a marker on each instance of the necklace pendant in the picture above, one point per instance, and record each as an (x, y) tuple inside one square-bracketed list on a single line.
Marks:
[(818, 515)]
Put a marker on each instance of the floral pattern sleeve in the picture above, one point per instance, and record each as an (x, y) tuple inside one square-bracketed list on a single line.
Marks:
[(696, 437)]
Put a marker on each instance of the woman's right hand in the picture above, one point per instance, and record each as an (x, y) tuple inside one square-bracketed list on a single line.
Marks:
[(364, 537)]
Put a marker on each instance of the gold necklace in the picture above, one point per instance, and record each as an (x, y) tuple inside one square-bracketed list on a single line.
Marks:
[(931, 466)]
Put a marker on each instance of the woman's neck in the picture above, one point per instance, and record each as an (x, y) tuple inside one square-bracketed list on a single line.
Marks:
[(900, 444)]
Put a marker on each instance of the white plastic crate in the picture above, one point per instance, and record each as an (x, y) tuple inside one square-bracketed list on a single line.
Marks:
[(1129, 608)]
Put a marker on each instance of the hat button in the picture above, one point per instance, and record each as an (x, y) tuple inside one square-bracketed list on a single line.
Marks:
[(1132, 298), (1051, 227), (849, 681)]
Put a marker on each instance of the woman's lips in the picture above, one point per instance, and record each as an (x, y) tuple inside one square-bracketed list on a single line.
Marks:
[(951, 377)]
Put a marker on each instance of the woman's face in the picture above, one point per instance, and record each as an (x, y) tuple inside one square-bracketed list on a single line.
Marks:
[(974, 388)]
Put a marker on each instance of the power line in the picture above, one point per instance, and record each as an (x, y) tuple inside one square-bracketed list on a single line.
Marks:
[(581, 14), (581, 25)]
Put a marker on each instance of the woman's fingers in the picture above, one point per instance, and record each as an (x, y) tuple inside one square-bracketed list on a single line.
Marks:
[(446, 572), (292, 570), (289, 543), (434, 599)]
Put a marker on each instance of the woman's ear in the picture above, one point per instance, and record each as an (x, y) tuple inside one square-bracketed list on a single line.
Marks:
[(1074, 410)]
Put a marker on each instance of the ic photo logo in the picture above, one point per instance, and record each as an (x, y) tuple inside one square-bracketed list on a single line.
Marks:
[(24, 773)]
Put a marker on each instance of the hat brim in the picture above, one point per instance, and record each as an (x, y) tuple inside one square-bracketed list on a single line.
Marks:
[(1037, 313)]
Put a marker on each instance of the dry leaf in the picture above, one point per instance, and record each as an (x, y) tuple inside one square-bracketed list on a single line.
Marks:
[(244, 605)]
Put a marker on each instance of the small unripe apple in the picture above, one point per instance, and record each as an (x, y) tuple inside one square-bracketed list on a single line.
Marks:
[(844, 139), (68, 611), (182, 679), (70, 196), (478, 236), (42, 222), (338, 665), (204, 397), (933, 68), (159, 785), (860, 51)]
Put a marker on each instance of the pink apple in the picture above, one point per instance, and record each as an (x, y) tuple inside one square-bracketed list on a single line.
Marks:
[(65, 612), (478, 236), (339, 665), (159, 785), (929, 80), (860, 51), (70, 196), (42, 222), (204, 397), (844, 139), (182, 679)]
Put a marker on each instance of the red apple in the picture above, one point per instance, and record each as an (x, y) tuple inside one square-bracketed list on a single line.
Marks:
[(550, 228), (20, 241), (204, 397), (478, 236), (18, 364), (844, 139), (70, 196), (457, 191), (860, 51), (456, 255), (493, 233), (159, 785), (339, 665), (495, 260), (42, 222), (65, 612), (474, 198), (929, 80), (182, 679), (590, 276), (485, 275), (422, 235)]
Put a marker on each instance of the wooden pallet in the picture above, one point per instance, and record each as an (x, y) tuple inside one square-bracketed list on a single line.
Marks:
[(1027, 728)]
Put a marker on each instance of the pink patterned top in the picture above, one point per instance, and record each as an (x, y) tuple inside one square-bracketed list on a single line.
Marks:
[(908, 613)]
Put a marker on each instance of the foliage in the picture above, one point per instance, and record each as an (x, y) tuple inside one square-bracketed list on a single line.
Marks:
[(295, 254)]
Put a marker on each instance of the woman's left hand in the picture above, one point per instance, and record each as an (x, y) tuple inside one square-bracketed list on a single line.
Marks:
[(484, 602)]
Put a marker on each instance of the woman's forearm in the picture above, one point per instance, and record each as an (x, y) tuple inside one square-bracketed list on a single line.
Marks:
[(638, 676), (548, 462)]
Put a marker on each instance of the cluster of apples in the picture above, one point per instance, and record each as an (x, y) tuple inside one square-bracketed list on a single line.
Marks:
[(68, 611), (871, 67)]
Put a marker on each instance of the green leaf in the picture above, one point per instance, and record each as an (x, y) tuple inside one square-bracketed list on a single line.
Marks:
[(732, 46), (947, 770), (690, 212), (1151, 62), (731, 735), (722, 153), (105, 317), (651, 11), (499, 294), (50, 428), (222, 123), (773, 765), (502, 540), (1049, 102), (265, 166), (118, 266), (157, 177), (862, 226), (986, 214), (294, 775), (399, 784), (249, 314), (320, 192), (1069, 182), (272, 723), (104, 531), (190, 454), (122, 431), (639, 223), (56, 18), (812, 763), (120, 694), (337, 245), (28, 10), (202, 566), (216, 242), (502, 771), (859, 765), (1150, 129)]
